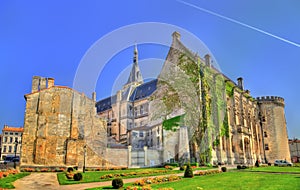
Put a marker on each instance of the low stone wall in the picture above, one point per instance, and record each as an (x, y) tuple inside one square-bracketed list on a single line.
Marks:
[(154, 158), (117, 156)]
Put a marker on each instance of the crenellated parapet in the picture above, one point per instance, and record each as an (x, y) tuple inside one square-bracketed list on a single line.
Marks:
[(271, 99)]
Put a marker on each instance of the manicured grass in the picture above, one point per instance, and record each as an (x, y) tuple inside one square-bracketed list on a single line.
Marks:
[(6, 182), (94, 176), (232, 180), (238, 180), (275, 169)]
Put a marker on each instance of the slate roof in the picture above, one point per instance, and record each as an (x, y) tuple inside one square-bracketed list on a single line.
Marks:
[(105, 104), (140, 92), (144, 90)]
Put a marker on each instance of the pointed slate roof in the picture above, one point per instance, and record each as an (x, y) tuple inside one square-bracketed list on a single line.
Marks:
[(135, 74)]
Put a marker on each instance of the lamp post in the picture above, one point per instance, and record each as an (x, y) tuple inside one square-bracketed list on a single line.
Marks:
[(84, 155), (16, 146)]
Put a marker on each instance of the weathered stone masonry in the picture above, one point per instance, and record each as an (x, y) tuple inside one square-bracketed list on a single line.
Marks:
[(58, 123)]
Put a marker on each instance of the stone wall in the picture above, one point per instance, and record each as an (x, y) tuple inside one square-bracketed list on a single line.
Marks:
[(58, 123), (274, 128), (117, 157)]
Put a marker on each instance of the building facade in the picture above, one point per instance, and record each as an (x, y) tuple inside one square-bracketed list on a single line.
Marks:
[(294, 145), (61, 127), (11, 141), (190, 112), (240, 129)]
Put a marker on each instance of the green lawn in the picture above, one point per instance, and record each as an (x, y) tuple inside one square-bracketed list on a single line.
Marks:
[(95, 175), (275, 169), (7, 181), (233, 180), (238, 180)]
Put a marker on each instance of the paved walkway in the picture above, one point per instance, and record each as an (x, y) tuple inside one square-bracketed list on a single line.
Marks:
[(41, 181), (48, 181)]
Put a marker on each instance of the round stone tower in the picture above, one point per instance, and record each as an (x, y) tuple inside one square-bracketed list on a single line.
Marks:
[(274, 131)]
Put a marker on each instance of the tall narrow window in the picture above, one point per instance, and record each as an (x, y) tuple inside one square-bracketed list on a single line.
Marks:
[(9, 149), (266, 147), (265, 134)]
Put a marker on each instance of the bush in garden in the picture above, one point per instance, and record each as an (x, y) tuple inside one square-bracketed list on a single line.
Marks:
[(117, 183), (188, 171), (77, 177), (70, 169), (224, 169), (239, 167), (182, 168)]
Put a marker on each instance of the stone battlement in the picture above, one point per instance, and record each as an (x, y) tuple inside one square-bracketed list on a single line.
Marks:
[(275, 99)]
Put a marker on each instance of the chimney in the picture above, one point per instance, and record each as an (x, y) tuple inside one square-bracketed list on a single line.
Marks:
[(43, 83), (176, 35), (94, 96), (240, 83), (35, 84), (207, 60), (50, 82)]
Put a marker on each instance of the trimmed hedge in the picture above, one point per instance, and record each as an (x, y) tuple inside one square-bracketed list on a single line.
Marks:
[(117, 183)]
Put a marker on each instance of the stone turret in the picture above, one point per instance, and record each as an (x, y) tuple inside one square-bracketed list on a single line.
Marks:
[(240, 83), (274, 130), (41, 83)]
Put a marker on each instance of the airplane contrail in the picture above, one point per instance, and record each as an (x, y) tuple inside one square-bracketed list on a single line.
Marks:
[(238, 22)]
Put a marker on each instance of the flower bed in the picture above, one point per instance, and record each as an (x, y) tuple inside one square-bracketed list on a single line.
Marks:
[(4, 174), (108, 176), (144, 184), (207, 172)]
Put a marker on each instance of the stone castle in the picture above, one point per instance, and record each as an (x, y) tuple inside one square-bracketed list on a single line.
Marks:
[(190, 112)]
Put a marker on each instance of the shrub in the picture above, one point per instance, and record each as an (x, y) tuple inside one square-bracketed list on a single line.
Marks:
[(77, 177), (244, 167), (70, 175), (117, 183), (224, 169), (257, 163), (239, 167), (70, 169), (269, 164), (182, 168), (188, 171)]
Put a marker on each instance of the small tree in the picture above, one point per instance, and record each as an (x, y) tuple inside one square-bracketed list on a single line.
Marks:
[(188, 171), (117, 183), (77, 177)]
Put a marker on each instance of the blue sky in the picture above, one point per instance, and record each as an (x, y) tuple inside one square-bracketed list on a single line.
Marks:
[(50, 39)]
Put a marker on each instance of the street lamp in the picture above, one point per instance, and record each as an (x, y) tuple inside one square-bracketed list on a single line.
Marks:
[(84, 155), (16, 146)]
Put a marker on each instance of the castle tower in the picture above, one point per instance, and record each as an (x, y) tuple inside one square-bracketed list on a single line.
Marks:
[(274, 131)]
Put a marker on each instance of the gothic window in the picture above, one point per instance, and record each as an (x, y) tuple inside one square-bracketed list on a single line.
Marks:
[(266, 146), (11, 140), (17, 134), (146, 108), (158, 130), (135, 112), (265, 134), (11, 133), (9, 149), (5, 139), (142, 109), (16, 139), (141, 134), (4, 148)]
